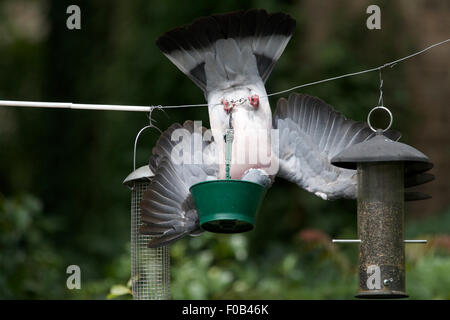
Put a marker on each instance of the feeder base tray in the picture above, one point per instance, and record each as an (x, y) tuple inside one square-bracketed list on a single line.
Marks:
[(227, 225)]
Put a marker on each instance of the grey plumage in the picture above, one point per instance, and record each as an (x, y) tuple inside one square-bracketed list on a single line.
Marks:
[(168, 211), (311, 133)]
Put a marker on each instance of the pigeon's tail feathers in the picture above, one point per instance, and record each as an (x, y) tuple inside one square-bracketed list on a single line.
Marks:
[(224, 40)]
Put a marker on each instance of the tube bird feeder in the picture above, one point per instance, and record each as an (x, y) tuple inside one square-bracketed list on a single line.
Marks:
[(150, 267), (384, 168)]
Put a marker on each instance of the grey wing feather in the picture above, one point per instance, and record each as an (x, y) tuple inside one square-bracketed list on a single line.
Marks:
[(168, 212), (311, 133)]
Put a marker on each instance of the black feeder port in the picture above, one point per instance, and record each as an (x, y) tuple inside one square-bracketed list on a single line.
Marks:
[(384, 169)]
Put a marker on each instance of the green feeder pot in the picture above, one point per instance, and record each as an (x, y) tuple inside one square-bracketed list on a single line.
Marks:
[(227, 206)]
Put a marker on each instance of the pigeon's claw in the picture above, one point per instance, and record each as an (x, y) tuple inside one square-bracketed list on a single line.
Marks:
[(254, 101), (227, 106)]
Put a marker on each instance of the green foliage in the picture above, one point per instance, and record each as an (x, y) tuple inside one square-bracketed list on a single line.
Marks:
[(29, 262), (33, 265), (429, 278), (120, 291), (222, 267)]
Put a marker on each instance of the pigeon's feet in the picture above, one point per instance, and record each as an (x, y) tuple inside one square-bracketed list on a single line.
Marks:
[(258, 176), (227, 106), (254, 101)]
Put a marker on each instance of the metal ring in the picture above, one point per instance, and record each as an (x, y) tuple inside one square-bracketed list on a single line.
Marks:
[(390, 115)]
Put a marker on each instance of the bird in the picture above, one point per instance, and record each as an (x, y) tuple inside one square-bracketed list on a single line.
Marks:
[(230, 56)]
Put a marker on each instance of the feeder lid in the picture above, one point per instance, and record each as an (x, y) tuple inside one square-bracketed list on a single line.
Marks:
[(142, 173), (382, 149), (416, 195)]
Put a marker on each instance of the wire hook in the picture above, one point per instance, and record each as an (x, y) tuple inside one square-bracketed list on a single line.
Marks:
[(381, 105), (135, 145), (150, 120), (380, 100), (150, 125)]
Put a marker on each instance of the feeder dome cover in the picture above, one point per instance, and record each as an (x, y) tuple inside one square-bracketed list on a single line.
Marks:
[(142, 173), (382, 149)]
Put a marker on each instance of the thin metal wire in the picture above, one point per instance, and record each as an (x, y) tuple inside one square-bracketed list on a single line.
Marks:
[(380, 106), (150, 125), (149, 108), (379, 68), (380, 100), (135, 144), (389, 64), (359, 241)]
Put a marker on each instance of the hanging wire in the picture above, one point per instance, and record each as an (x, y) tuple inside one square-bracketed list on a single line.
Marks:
[(389, 64), (381, 106), (149, 108), (380, 100), (150, 119), (135, 144)]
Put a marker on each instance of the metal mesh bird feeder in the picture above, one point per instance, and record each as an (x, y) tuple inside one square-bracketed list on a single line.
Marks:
[(384, 168), (150, 268)]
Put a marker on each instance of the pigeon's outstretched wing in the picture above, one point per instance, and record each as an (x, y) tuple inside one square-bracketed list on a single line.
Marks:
[(222, 39), (310, 134), (167, 208)]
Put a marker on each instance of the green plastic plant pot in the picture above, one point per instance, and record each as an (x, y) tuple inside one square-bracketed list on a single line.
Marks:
[(227, 206)]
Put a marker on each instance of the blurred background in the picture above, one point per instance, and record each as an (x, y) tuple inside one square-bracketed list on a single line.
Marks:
[(62, 201)]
